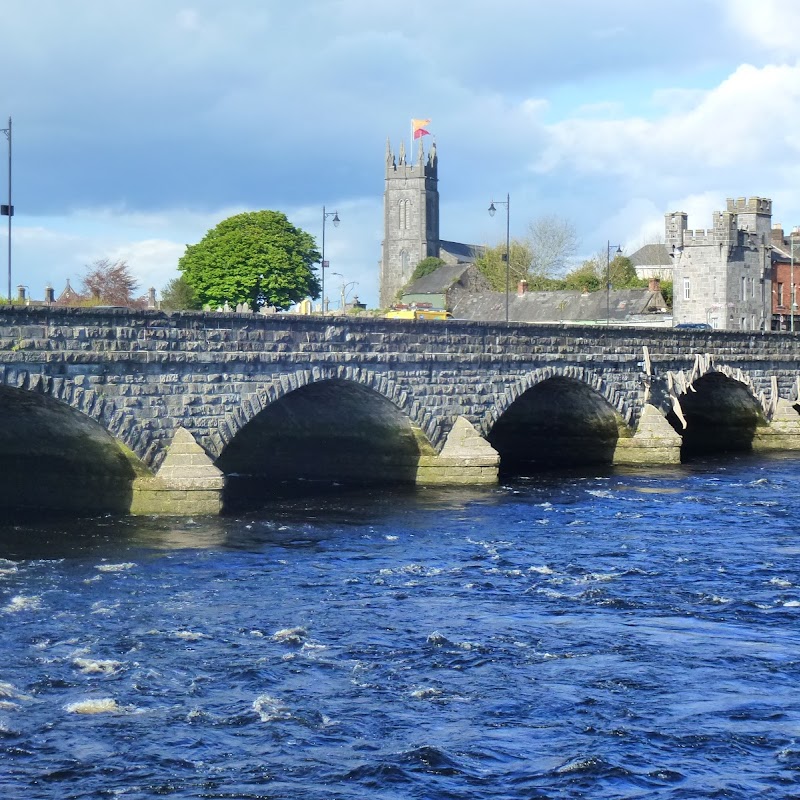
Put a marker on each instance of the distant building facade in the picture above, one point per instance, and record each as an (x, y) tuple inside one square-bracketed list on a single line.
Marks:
[(723, 276), (652, 261), (411, 221), (785, 276)]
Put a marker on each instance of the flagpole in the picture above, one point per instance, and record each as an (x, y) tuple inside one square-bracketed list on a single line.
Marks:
[(411, 144)]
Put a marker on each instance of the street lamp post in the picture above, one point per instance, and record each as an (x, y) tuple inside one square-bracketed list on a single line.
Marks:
[(608, 278), (492, 211), (8, 210), (336, 220), (343, 291)]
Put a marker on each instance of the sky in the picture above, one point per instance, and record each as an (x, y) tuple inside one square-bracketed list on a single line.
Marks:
[(139, 125)]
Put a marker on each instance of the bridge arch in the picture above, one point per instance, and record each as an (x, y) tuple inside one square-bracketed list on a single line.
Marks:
[(284, 384), (557, 417), (716, 408), (324, 428), (59, 459), (121, 424)]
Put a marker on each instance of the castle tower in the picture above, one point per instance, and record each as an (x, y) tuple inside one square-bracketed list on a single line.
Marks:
[(410, 218), (722, 275)]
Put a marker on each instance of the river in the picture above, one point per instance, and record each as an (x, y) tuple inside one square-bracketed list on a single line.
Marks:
[(606, 635)]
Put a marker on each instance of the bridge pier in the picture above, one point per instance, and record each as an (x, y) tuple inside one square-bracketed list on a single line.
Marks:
[(466, 459), (655, 442), (187, 483), (783, 431)]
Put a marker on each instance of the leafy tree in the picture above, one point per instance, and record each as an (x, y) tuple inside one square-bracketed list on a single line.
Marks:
[(493, 264), (591, 275), (540, 258), (666, 291), (426, 267), (109, 282), (178, 295), (587, 277), (257, 257)]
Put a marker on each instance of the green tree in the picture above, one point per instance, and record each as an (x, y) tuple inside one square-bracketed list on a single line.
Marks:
[(257, 257), (426, 267), (493, 264), (586, 278), (666, 291), (178, 295), (623, 274)]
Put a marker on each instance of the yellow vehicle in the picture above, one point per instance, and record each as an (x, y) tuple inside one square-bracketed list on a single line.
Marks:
[(411, 312)]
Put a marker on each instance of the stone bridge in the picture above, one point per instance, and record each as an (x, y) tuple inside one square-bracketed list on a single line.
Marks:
[(141, 411)]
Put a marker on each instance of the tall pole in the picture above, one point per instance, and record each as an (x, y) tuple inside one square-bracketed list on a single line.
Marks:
[(9, 209), (608, 282), (791, 289), (508, 250), (324, 217)]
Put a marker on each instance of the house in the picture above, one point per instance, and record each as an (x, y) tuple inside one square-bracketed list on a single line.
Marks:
[(785, 259), (634, 307), (442, 287), (652, 261)]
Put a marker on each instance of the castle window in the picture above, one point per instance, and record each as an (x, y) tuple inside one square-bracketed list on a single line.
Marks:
[(780, 294), (404, 263), (686, 289)]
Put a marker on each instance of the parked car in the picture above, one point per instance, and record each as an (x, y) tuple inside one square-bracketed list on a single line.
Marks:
[(693, 326)]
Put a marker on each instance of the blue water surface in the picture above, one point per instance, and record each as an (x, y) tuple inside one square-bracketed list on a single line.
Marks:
[(621, 635)]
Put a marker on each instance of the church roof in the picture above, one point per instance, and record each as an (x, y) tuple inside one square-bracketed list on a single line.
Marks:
[(465, 253)]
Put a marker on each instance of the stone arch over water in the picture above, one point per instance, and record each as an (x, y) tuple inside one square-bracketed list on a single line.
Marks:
[(57, 458), (557, 418), (321, 431), (717, 412)]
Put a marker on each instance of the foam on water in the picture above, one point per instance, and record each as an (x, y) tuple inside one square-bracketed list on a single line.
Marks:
[(90, 666), (115, 567), (22, 602), (296, 635), (104, 705), (270, 709)]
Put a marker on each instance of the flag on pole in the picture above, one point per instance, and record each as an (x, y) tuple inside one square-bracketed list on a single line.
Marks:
[(418, 127)]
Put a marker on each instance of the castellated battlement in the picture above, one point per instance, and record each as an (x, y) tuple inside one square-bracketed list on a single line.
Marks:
[(750, 205)]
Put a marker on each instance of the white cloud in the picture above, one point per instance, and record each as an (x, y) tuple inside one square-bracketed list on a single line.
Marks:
[(741, 126), (772, 24)]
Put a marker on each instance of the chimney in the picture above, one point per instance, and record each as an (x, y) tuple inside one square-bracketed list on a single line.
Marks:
[(522, 287), (777, 239), (21, 294), (49, 295), (654, 284)]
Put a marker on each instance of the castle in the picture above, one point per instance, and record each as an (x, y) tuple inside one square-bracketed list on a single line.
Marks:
[(723, 276), (411, 221)]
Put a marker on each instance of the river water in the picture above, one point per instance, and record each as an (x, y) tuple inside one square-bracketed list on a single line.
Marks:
[(616, 635)]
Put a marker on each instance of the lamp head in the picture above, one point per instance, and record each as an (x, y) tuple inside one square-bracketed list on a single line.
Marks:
[(336, 219), (619, 250), (492, 209)]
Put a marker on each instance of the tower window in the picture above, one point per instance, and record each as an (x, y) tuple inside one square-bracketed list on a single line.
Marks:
[(404, 215), (686, 289)]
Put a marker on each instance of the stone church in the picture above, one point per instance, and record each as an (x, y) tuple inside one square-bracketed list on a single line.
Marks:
[(411, 221)]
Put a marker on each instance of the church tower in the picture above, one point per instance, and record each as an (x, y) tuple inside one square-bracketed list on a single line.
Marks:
[(410, 218)]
